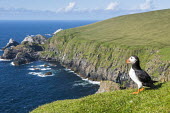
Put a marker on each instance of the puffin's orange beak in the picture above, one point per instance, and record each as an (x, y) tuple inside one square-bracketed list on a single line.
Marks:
[(128, 61)]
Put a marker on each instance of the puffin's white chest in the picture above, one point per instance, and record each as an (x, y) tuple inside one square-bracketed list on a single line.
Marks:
[(134, 77)]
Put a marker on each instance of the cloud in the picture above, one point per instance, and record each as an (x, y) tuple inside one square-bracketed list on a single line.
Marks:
[(68, 8), (112, 6), (147, 5)]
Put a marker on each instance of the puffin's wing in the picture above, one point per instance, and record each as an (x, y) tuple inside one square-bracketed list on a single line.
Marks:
[(143, 76)]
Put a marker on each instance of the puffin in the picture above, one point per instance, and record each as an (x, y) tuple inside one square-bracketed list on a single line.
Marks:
[(139, 76)]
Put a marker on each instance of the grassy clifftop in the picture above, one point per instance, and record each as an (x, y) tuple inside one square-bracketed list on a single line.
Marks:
[(151, 28), (148, 101)]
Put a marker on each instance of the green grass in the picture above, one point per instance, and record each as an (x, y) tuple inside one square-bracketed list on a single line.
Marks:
[(122, 101), (141, 30), (151, 28)]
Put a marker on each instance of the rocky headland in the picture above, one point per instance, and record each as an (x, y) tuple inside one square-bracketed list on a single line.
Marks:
[(25, 52)]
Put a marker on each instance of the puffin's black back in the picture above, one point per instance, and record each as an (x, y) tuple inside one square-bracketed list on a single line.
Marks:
[(141, 74)]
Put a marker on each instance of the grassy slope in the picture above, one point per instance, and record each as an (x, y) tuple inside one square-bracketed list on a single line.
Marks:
[(144, 30), (148, 101), (151, 28)]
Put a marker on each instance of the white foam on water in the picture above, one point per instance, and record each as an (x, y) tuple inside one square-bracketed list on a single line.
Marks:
[(40, 74), (45, 69), (12, 63), (85, 79), (31, 69), (81, 84), (39, 68), (52, 65), (48, 34), (37, 73), (58, 30), (5, 59), (34, 69), (66, 69), (90, 81), (94, 82), (43, 65), (71, 71)]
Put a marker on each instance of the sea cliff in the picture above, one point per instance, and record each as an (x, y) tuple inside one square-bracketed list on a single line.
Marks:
[(98, 51)]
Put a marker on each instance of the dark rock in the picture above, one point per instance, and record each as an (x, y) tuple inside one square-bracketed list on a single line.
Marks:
[(108, 86), (46, 65), (10, 44), (48, 73), (36, 68), (23, 53), (23, 58), (9, 54), (38, 39)]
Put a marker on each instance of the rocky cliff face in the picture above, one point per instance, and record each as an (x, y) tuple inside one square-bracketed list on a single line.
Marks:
[(97, 61), (38, 39), (10, 44)]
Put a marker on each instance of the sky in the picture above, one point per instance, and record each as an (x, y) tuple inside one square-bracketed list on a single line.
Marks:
[(75, 9)]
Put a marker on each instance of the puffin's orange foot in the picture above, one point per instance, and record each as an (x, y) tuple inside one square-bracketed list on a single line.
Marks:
[(135, 92), (141, 89)]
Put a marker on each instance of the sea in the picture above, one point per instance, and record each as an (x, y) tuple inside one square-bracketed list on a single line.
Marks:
[(24, 88)]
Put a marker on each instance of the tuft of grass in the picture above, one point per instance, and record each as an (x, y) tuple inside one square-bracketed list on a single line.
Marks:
[(122, 101)]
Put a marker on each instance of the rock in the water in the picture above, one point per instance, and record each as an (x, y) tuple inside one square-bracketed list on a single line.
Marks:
[(46, 65), (36, 68), (48, 73), (107, 86), (10, 44), (38, 39)]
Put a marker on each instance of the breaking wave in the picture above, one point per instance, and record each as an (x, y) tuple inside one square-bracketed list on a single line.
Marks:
[(5, 60), (85, 79), (39, 68), (40, 74)]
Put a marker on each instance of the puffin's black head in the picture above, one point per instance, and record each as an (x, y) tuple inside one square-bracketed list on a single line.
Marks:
[(132, 60)]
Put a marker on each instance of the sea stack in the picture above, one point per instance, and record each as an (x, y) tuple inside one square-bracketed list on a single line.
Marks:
[(10, 44)]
